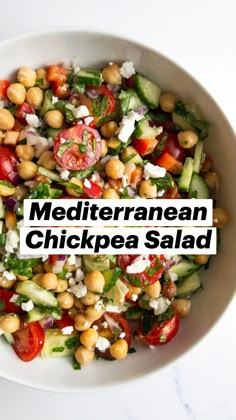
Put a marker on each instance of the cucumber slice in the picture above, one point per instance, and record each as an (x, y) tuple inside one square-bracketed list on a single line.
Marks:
[(184, 269), (57, 344), (111, 277), (2, 210), (147, 91), (188, 286), (186, 175), (53, 132), (8, 337), (144, 130), (198, 187), (34, 315), (47, 104), (100, 263), (89, 77), (197, 157), (129, 101), (117, 292), (54, 176), (186, 121), (37, 294)]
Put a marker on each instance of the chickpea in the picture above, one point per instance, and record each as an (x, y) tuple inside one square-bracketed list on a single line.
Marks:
[(6, 284), (22, 278), (177, 168), (110, 193), (220, 217), (182, 307), (54, 119), (42, 76), (25, 152), (38, 269), (26, 76), (72, 312), (147, 190), (66, 300), (16, 93), (212, 180), (111, 74), (34, 96), (9, 323), (167, 102), (92, 314), (71, 191), (78, 304), (81, 322), (47, 267), (94, 281), (89, 338), (47, 160), (201, 259), (20, 192), (37, 278), (83, 355), (109, 129), (187, 139), (154, 290), (119, 349), (104, 148), (168, 289), (90, 298), (49, 281), (115, 168), (27, 170), (62, 286), (7, 120)]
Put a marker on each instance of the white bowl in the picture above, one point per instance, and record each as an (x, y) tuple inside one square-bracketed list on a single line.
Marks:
[(95, 49)]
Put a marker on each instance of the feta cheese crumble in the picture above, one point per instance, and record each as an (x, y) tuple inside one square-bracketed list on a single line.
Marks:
[(88, 120), (173, 276), (33, 120), (81, 112), (122, 335), (87, 183), (79, 290), (27, 306), (12, 240), (95, 327), (71, 260), (67, 330), (14, 298), (127, 69), (134, 297), (65, 174), (102, 344), (138, 266), (116, 308), (153, 171), (99, 305), (159, 305), (55, 99), (9, 275), (127, 124)]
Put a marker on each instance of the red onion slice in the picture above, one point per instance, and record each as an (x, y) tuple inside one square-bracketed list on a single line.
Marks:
[(11, 204), (111, 322)]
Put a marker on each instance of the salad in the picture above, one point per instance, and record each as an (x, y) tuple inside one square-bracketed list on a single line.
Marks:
[(67, 132)]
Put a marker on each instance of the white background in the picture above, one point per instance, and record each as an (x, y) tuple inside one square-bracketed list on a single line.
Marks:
[(200, 36)]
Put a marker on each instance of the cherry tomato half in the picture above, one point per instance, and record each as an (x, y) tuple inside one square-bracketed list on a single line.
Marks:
[(103, 91), (4, 84), (143, 279), (159, 334), (172, 146), (28, 341), (24, 109), (77, 148), (8, 162), (6, 305)]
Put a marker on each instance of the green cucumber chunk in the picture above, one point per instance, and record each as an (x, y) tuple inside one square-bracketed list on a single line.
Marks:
[(184, 269), (186, 121), (99, 263), (37, 294), (149, 92), (57, 344), (47, 104), (188, 286), (197, 160), (53, 132), (129, 101), (89, 77), (198, 187), (144, 130), (186, 175), (111, 276), (9, 338), (54, 176)]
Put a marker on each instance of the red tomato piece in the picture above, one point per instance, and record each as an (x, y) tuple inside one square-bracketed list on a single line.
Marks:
[(28, 341), (81, 150), (57, 74), (167, 161), (7, 306), (66, 321), (52, 259), (24, 109), (8, 163), (144, 146), (4, 84), (142, 279), (62, 91), (103, 91), (159, 334), (136, 176), (95, 191), (172, 146)]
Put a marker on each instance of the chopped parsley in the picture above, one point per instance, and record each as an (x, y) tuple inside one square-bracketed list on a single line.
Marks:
[(83, 145), (58, 349), (162, 338), (69, 115), (76, 365), (20, 266), (72, 342), (163, 183), (39, 83), (131, 350), (43, 190)]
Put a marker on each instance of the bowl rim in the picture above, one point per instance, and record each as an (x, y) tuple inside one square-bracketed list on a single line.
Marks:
[(67, 29)]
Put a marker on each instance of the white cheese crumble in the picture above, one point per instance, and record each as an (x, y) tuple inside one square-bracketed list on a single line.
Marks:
[(122, 335), (102, 344), (33, 120), (153, 171), (127, 124), (79, 290), (173, 276), (115, 308), (65, 174), (127, 69), (138, 266), (70, 107), (14, 298), (160, 193), (134, 297), (95, 327), (81, 112), (27, 306), (88, 120), (124, 180), (12, 240), (55, 99), (99, 305), (9, 275), (87, 183), (71, 260), (72, 281), (105, 324), (159, 305), (41, 146), (68, 275), (79, 275), (67, 330)]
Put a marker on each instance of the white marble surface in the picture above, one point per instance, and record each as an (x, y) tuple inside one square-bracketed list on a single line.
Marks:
[(201, 36)]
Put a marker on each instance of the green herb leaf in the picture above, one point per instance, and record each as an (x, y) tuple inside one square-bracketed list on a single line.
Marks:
[(6, 184), (2, 239), (162, 338), (75, 364), (21, 299), (43, 190), (131, 350), (58, 349), (72, 342), (84, 173), (2, 305), (12, 109), (39, 83), (125, 193), (64, 147), (69, 79), (112, 258), (62, 274), (69, 115), (75, 187), (20, 266), (78, 87), (163, 183)]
